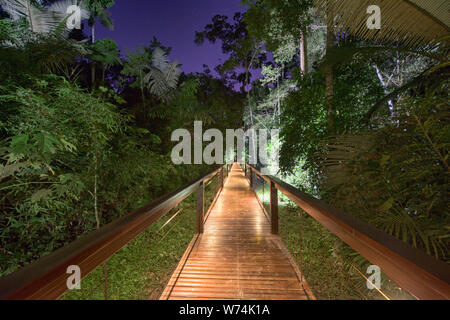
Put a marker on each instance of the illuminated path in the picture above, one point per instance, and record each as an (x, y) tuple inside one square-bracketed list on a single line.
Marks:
[(237, 257)]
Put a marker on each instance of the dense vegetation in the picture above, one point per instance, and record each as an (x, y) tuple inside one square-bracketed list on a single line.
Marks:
[(85, 129)]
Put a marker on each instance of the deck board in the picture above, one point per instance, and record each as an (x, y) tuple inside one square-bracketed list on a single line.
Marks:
[(237, 257)]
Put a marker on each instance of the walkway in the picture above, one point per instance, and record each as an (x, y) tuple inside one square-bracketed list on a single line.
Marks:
[(237, 257)]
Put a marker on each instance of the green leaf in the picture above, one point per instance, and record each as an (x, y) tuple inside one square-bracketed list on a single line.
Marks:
[(19, 144), (387, 205), (40, 195), (384, 159), (67, 145)]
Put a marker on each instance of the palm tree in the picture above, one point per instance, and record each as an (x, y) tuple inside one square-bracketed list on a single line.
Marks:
[(163, 76), (47, 47), (97, 9), (42, 20)]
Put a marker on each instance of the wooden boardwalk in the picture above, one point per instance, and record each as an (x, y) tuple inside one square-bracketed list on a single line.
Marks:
[(237, 257)]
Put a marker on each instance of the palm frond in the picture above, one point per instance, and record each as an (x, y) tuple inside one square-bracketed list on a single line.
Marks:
[(105, 19), (163, 76), (156, 82), (160, 59), (172, 75), (400, 20), (38, 20), (42, 20), (53, 54)]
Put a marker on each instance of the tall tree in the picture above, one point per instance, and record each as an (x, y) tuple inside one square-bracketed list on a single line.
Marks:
[(282, 19), (244, 50), (97, 9)]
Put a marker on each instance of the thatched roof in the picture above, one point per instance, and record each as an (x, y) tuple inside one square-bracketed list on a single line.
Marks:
[(410, 22)]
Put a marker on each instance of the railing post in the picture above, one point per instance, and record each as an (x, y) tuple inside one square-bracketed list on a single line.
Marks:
[(274, 207), (251, 177), (200, 207), (222, 177)]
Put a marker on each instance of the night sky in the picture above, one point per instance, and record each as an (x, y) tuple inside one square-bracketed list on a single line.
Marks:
[(174, 23)]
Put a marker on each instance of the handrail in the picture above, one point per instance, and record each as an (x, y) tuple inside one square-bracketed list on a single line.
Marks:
[(413, 270), (46, 278)]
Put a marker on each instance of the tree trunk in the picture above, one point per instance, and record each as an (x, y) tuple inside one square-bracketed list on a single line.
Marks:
[(93, 32), (247, 82), (386, 91), (276, 114), (329, 77), (93, 63), (92, 75), (329, 100), (30, 20), (303, 51), (97, 217)]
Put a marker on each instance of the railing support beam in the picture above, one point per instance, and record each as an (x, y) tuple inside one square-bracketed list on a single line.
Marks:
[(200, 207), (274, 207)]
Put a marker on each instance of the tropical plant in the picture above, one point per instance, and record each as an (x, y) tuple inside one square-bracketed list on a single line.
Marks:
[(396, 177), (97, 10), (163, 76), (43, 20), (350, 17)]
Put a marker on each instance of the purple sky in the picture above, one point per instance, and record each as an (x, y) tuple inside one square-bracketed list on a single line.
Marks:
[(174, 23)]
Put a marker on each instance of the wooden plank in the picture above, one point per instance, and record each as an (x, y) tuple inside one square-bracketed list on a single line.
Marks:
[(300, 276), (177, 271), (236, 257)]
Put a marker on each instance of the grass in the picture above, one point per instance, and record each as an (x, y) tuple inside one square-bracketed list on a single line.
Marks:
[(143, 267), (327, 264), (322, 269)]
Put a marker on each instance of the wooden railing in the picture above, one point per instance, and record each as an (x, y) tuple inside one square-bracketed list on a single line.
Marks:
[(46, 278), (416, 272)]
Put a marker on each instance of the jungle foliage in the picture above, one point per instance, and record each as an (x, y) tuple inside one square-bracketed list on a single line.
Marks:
[(86, 129)]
